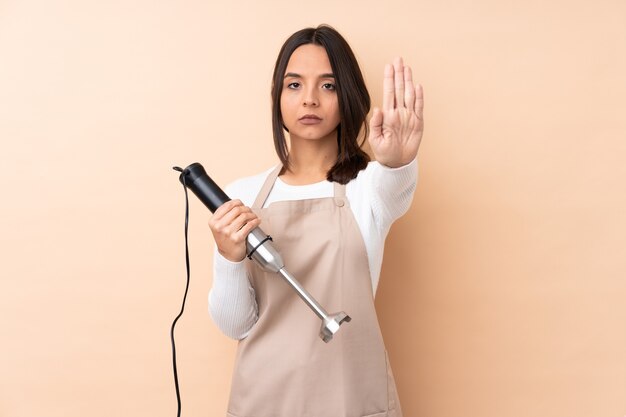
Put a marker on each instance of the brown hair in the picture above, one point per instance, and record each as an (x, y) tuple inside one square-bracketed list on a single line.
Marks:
[(354, 100)]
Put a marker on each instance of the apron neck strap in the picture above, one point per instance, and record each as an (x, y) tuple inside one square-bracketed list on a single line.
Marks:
[(340, 194), (339, 189), (267, 187)]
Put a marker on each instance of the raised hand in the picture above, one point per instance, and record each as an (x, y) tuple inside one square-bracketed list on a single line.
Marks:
[(396, 130)]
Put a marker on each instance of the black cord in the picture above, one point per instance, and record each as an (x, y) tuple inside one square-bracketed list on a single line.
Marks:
[(268, 237), (182, 309)]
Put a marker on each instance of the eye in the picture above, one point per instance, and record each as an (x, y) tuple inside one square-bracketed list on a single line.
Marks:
[(294, 85), (329, 86)]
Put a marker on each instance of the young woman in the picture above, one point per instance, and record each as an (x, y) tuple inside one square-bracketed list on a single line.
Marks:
[(328, 210)]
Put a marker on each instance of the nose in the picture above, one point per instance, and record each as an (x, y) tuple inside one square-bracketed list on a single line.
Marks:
[(310, 97)]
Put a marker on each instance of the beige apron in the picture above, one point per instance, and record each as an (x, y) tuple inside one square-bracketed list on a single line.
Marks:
[(283, 368)]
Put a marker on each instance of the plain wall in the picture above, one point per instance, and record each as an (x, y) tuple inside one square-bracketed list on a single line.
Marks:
[(503, 289)]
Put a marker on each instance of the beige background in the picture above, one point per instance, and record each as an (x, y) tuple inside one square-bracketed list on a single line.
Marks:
[(502, 291)]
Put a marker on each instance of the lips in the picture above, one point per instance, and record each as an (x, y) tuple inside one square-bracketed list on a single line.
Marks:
[(310, 119), (310, 116)]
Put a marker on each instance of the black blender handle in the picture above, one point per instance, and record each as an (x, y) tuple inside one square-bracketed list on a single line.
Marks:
[(207, 191)]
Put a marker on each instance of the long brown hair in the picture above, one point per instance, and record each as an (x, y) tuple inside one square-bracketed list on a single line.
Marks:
[(354, 100)]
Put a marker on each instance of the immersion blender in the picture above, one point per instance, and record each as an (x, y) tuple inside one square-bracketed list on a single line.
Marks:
[(259, 247)]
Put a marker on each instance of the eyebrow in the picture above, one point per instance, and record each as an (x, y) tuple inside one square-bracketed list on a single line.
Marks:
[(294, 75)]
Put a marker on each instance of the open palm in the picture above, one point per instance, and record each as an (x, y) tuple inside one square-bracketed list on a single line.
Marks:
[(396, 130)]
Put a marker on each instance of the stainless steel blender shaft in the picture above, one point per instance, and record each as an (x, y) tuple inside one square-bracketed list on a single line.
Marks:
[(261, 250)]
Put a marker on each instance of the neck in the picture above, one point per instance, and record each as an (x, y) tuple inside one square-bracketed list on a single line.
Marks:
[(310, 160)]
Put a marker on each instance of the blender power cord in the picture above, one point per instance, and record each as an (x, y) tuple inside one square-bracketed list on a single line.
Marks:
[(182, 309)]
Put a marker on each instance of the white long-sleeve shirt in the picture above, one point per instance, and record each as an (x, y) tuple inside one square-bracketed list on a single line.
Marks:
[(378, 196)]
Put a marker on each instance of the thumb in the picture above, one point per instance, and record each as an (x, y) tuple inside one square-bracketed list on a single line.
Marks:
[(376, 123)]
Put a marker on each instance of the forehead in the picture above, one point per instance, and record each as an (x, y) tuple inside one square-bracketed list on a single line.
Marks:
[(309, 59)]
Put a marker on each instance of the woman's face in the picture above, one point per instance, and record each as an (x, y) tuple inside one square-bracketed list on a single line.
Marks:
[(308, 102)]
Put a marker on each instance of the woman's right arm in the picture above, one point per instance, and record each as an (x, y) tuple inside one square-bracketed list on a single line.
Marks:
[(232, 302)]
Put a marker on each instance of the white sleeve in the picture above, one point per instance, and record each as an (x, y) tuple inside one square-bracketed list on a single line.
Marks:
[(392, 191), (232, 302)]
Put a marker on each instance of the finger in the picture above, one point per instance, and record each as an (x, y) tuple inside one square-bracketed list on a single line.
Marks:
[(247, 228), (388, 93), (235, 218), (241, 220), (409, 89), (225, 222), (398, 76), (225, 208), (376, 123), (419, 101)]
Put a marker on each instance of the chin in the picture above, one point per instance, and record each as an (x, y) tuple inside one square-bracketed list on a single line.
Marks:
[(316, 136)]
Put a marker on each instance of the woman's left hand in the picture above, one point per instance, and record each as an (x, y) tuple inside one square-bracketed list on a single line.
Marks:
[(396, 130)]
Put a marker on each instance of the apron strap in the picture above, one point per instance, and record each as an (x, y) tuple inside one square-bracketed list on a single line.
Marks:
[(267, 187), (339, 190), (339, 194)]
